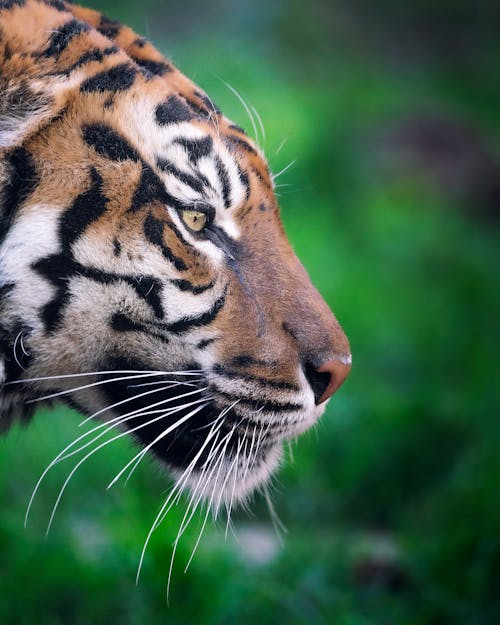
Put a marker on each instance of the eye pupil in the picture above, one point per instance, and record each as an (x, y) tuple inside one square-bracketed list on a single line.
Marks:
[(196, 220)]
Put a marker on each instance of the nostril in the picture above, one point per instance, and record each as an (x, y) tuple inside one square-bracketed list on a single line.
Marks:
[(327, 378), (318, 380)]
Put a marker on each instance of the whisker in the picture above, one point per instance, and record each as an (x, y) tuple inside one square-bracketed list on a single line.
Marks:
[(240, 443), (211, 453), (278, 525), (119, 371), (280, 146), (259, 120), (245, 106), (61, 456), (144, 451), (191, 382), (23, 348), (91, 385), (215, 117), (185, 521), (167, 504), (14, 350), (96, 449), (129, 399), (282, 171), (158, 403)]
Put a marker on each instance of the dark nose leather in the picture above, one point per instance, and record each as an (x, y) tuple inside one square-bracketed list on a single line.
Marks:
[(327, 379)]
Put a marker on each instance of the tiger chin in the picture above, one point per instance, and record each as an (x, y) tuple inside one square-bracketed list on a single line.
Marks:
[(145, 277)]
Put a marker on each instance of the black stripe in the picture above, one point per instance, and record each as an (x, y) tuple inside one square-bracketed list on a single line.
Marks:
[(62, 37), (205, 342), (188, 323), (185, 285), (58, 269), (237, 128), (197, 184), (56, 4), (224, 178), (235, 375), (109, 28), (257, 404), (151, 189), (243, 176), (86, 209), (154, 68), (196, 148), (235, 141), (208, 102), (10, 4), (246, 360), (153, 230), (5, 289), (96, 54), (118, 78), (121, 323), (109, 143), (23, 179), (172, 111)]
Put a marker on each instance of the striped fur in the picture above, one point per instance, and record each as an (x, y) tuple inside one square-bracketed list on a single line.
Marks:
[(103, 145)]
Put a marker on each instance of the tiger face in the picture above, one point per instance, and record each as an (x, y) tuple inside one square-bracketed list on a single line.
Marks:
[(145, 277)]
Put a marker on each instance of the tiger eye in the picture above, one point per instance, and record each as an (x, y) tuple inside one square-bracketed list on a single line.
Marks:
[(196, 220)]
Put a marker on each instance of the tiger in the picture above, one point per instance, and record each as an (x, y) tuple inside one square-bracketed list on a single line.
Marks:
[(145, 276)]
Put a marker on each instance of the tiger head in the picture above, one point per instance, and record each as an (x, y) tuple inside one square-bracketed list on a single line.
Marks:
[(145, 277)]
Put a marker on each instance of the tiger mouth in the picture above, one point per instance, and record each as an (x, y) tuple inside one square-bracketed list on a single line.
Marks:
[(209, 439)]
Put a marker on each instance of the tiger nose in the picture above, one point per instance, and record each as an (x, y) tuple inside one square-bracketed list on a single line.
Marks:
[(327, 379)]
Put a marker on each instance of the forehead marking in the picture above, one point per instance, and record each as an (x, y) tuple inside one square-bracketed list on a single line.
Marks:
[(173, 111), (118, 78)]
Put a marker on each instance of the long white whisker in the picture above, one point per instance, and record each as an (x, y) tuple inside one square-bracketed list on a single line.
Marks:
[(245, 106), (212, 452), (110, 424), (191, 382), (240, 443), (215, 117), (280, 146), (259, 120), (14, 349), (177, 487), (129, 399), (21, 340), (118, 371), (116, 421), (158, 403), (186, 520), (278, 525), (282, 171), (96, 449), (92, 384), (138, 457)]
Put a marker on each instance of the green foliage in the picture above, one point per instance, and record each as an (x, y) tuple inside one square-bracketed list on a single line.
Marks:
[(392, 501)]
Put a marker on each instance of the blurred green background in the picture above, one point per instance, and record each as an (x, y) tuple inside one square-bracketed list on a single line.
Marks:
[(391, 112)]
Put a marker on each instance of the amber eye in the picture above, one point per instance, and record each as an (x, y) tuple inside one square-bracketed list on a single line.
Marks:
[(196, 220)]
